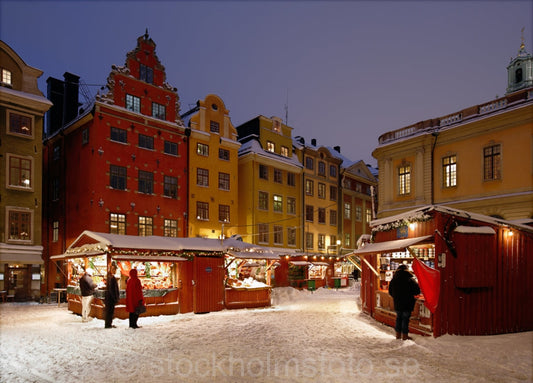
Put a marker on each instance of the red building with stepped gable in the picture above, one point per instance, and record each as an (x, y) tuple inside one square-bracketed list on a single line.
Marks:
[(119, 163)]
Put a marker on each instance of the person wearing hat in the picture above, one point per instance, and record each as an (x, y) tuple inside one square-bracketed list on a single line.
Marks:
[(87, 287), (112, 295), (403, 289)]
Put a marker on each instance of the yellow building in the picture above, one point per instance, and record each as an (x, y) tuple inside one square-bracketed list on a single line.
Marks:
[(270, 200), (22, 109), (213, 170), (321, 175), (479, 159)]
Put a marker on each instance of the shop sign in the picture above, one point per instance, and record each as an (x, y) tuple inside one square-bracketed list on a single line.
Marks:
[(402, 232)]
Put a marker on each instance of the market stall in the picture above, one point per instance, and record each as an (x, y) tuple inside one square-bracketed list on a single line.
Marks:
[(466, 265)]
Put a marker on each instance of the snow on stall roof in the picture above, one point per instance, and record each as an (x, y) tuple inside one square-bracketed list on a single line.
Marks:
[(474, 229), (420, 212), (395, 245)]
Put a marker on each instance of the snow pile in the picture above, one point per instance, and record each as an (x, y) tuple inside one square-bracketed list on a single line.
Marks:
[(305, 336)]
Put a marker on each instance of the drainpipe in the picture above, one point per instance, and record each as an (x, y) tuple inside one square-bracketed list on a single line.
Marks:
[(436, 135)]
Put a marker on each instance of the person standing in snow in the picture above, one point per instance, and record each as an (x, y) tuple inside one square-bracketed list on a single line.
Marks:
[(403, 289), (87, 287), (134, 297), (112, 295)]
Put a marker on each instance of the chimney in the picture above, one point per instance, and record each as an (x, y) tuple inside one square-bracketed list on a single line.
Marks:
[(313, 141), (70, 97), (337, 149)]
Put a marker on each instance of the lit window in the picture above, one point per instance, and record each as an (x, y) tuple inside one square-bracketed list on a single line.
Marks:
[(170, 228), (271, 147), (278, 203), (404, 179), (321, 190), (20, 172), (223, 213), (321, 242), (202, 149), (6, 77), (492, 163), (291, 205), (133, 103), (117, 223), (309, 240), (55, 231), (449, 171), (20, 124), (347, 210), (20, 225), (145, 226), (276, 127), (347, 240), (285, 151), (309, 187)]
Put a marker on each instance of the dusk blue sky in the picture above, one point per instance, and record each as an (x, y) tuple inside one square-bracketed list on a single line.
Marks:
[(349, 71)]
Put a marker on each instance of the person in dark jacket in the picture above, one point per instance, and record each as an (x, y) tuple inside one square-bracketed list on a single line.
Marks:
[(112, 295), (134, 297), (403, 289), (87, 287)]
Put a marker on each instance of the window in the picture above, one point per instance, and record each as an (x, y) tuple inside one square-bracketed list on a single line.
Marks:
[(291, 179), (518, 75), (278, 235), (332, 171), (170, 187), (333, 217), (321, 168), (202, 177), (117, 177), (333, 242), (321, 190), (146, 142), (159, 111), (358, 213), (291, 205), (263, 200), (119, 135), (321, 242), (146, 74), (85, 136), (449, 171), (492, 163), (20, 225), (202, 211), (223, 181), (358, 187), (223, 213), (6, 77), (291, 236), (285, 151), (20, 172), (214, 127), (347, 210), (20, 124), (309, 213), (263, 233), (309, 240), (404, 179), (145, 226), (347, 240), (171, 148), (309, 186), (54, 189), (271, 147), (146, 182), (223, 154), (202, 149), (368, 215), (276, 126), (278, 176), (321, 215), (278, 203), (170, 228), (117, 223), (133, 103), (263, 172), (309, 163), (55, 231), (333, 193)]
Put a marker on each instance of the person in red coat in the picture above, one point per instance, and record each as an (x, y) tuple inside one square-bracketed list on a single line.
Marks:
[(134, 297)]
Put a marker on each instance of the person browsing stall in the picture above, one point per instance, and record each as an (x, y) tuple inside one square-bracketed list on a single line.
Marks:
[(403, 289), (134, 297), (87, 287), (112, 295)]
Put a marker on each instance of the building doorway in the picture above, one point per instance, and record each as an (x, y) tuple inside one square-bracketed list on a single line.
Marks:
[(18, 282)]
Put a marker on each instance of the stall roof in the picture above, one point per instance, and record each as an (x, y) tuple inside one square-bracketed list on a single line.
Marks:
[(149, 258), (396, 245), (300, 263), (253, 255), (475, 230)]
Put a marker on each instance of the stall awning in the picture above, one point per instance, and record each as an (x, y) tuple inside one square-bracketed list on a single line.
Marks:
[(388, 246), (300, 263), (320, 263), (148, 258), (253, 255), (21, 254), (76, 255)]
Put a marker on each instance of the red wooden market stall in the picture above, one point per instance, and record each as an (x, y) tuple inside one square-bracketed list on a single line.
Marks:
[(474, 271)]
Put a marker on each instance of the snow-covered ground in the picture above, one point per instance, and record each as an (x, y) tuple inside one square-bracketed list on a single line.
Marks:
[(303, 337)]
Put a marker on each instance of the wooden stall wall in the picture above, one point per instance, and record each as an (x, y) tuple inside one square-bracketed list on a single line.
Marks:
[(208, 286), (185, 287)]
